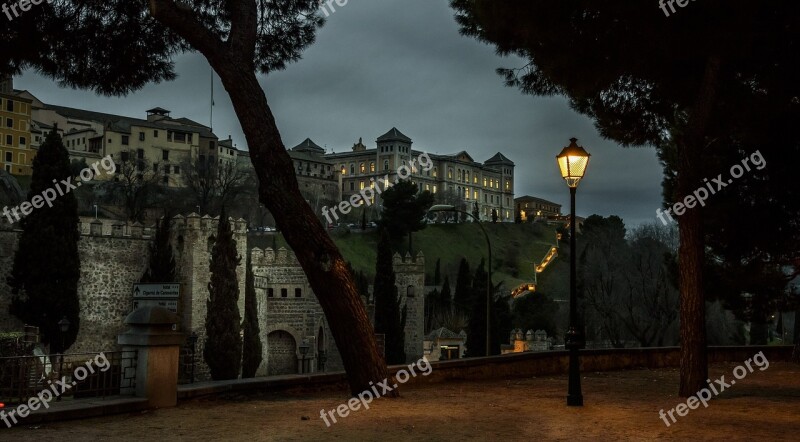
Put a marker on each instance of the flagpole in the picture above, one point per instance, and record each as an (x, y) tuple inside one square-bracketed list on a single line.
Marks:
[(211, 124)]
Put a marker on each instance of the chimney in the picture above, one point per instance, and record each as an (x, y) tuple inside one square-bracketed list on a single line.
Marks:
[(7, 84)]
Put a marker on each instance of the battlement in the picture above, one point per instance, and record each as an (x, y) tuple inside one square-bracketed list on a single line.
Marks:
[(194, 221), (113, 228), (409, 263), (270, 257)]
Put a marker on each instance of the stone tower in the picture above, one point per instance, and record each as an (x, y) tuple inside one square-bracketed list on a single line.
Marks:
[(410, 282)]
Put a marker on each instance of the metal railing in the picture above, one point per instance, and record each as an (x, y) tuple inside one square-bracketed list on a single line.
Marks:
[(67, 376)]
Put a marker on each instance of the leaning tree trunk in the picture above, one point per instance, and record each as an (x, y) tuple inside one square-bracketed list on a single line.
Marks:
[(324, 266), (796, 337), (694, 357)]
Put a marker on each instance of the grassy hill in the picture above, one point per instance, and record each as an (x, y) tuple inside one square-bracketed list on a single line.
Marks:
[(515, 250)]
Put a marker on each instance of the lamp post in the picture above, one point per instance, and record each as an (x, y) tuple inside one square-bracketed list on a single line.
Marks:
[(303, 352), (573, 161), (450, 208), (63, 326)]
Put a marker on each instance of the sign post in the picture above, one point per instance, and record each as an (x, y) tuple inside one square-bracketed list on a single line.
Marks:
[(157, 295)]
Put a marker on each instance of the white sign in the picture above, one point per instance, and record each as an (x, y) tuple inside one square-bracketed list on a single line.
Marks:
[(156, 291), (171, 305)]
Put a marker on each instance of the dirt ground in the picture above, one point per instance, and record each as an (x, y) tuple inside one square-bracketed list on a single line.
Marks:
[(765, 405)]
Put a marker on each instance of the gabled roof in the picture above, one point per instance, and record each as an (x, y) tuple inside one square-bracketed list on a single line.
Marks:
[(308, 146), (442, 332), (394, 135), (527, 198), (499, 158), (123, 124), (460, 156)]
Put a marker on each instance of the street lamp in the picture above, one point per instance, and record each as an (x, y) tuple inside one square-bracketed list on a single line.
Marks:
[(303, 352), (450, 208), (63, 325), (573, 161)]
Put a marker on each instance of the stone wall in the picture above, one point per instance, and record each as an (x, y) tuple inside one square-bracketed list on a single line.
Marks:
[(8, 246), (109, 267), (287, 303), (279, 273), (114, 256)]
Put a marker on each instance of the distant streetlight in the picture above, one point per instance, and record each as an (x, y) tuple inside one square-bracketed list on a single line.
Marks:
[(573, 161), (95, 211), (450, 208)]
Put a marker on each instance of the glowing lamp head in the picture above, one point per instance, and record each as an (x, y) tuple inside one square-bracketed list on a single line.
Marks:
[(573, 161)]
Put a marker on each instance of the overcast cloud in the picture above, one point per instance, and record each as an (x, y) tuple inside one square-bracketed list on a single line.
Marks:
[(378, 64)]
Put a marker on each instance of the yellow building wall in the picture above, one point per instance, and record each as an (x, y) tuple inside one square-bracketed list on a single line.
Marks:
[(17, 156)]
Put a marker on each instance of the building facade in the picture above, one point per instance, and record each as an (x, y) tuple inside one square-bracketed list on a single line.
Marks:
[(16, 155), (531, 208), (454, 179)]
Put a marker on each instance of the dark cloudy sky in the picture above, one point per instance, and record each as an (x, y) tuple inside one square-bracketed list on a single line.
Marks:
[(378, 64)]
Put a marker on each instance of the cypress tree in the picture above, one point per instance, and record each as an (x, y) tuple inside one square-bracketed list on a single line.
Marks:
[(46, 270), (445, 297), (223, 347), (463, 295), (251, 347), (437, 273), (162, 262), (476, 332), (389, 319)]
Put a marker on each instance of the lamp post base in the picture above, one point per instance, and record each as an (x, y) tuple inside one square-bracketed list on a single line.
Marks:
[(574, 395)]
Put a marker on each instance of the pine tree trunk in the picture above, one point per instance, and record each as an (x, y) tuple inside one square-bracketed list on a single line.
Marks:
[(320, 259), (796, 337), (694, 357)]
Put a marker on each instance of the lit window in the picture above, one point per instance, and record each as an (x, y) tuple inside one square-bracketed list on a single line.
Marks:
[(372, 166), (362, 168)]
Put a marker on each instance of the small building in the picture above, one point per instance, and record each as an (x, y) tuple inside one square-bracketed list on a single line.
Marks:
[(533, 208), (530, 341), (443, 344)]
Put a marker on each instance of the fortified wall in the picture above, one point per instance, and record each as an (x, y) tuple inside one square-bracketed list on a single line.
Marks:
[(293, 315), (114, 256)]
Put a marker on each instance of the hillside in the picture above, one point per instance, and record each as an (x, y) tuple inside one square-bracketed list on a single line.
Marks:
[(515, 249)]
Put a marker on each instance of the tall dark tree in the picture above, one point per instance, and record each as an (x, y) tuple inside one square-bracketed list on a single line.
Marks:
[(46, 270), (494, 215), (223, 346), (390, 319), (446, 295), (462, 298), (162, 263), (476, 332), (535, 311), (251, 345), (404, 209), (686, 94), (240, 39), (437, 272)]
